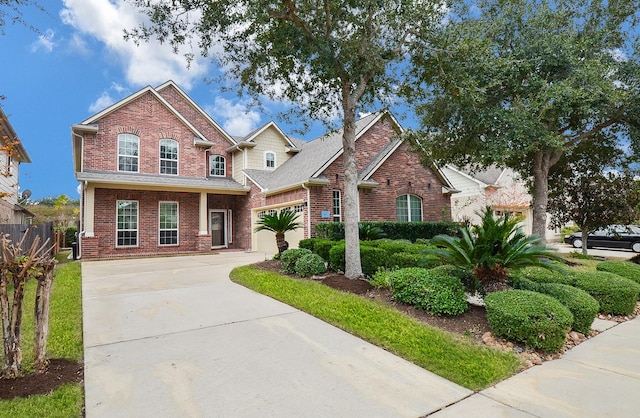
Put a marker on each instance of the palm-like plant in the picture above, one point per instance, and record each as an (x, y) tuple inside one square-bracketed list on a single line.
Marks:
[(490, 249), (279, 223)]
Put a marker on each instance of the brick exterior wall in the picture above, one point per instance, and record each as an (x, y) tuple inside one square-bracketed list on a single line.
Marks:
[(150, 120)]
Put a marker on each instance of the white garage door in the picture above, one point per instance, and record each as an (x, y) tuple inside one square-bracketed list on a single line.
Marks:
[(265, 241)]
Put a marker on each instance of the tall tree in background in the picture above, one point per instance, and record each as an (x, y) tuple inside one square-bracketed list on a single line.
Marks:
[(327, 58), (519, 83), (593, 187)]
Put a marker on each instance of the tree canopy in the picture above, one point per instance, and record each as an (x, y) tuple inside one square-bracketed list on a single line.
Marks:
[(593, 187), (519, 83), (328, 59)]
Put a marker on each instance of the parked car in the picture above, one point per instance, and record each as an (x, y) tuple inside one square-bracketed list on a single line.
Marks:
[(612, 236)]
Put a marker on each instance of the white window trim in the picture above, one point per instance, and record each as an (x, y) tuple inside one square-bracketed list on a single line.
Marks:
[(409, 219), (160, 159), (129, 156), (137, 223), (275, 160), (177, 222), (224, 166), (338, 217)]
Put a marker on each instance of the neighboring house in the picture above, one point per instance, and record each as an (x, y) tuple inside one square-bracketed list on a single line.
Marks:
[(160, 176), (502, 189), (12, 154)]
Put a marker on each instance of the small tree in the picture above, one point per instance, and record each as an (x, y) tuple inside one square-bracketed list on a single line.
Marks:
[(17, 266), (582, 191), (279, 223), (492, 248)]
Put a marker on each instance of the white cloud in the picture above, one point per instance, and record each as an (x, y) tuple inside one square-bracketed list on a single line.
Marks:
[(105, 100), (45, 41), (78, 44), (236, 118), (147, 64)]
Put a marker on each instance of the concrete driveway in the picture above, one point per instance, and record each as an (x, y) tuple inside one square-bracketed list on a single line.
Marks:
[(174, 337)]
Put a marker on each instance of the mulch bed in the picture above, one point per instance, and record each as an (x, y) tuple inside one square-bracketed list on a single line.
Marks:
[(472, 323), (59, 372)]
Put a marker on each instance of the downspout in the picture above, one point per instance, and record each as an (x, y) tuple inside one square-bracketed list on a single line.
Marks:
[(308, 210), (82, 196)]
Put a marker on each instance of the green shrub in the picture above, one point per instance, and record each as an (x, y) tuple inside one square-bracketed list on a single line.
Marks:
[(380, 279), (615, 294), (581, 304), (322, 246), (537, 320), (289, 258), (402, 260), (308, 243), (371, 258), (469, 282), (393, 246), (393, 230), (310, 265), (542, 275), (430, 290), (425, 241), (621, 268)]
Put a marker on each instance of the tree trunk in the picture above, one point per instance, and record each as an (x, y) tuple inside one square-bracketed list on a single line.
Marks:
[(542, 162), (585, 237), (43, 294), (12, 326), (353, 266), (281, 243)]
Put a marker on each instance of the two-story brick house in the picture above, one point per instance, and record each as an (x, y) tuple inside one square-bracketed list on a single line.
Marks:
[(160, 176), (12, 154)]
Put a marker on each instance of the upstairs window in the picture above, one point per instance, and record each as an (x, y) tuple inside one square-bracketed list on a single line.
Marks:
[(409, 208), (217, 166), (169, 156), (128, 152), (270, 159)]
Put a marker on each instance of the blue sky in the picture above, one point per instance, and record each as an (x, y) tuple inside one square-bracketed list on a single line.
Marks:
[(76, 64)]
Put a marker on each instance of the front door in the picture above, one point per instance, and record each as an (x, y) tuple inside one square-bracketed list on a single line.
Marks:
[(218, 226)]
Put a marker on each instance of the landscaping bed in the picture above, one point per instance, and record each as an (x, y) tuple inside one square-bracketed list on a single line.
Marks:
[(472, 324)]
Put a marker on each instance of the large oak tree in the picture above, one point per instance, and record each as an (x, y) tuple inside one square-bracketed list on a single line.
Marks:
[(327, 58), (520, 82)]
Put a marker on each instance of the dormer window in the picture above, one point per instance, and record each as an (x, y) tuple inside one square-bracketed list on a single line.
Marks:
[(168, 156), (269, 160), (217, 166)]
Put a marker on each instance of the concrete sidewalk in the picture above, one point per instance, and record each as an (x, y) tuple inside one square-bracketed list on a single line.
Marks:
[(174, 337)]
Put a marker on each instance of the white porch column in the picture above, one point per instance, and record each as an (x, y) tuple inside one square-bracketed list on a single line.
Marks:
[(203, 214), (89, 203)]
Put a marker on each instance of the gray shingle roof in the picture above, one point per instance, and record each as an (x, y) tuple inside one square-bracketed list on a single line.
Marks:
[(311, 158), (489, 175), (223, 184)]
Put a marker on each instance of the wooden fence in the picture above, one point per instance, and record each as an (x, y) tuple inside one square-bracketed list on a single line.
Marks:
[(17, 231)]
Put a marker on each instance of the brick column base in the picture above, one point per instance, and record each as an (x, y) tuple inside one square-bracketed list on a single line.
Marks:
[(203, 243), (89, 247)]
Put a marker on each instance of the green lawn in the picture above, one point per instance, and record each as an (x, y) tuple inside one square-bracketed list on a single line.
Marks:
[(453, 357), (65, 341)]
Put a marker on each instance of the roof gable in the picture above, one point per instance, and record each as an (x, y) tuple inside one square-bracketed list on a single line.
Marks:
[(135, 96), (171, 84)]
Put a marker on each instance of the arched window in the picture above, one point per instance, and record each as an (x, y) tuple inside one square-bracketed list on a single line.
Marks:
[(409, 208), (269, 159), (169, 156), (217, 166), (128, 152)]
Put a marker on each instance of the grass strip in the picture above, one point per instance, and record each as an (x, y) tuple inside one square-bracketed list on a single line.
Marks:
[(65, 341), (453, 357)]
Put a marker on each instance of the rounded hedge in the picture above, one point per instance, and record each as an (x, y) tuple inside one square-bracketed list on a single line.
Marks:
[(371, 258), (615, 294), (543, 275), (581, 304), (290, 257), (537, 320), (434, 291), (310, 265), (621, 268), (470, 283), (403, 260)]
